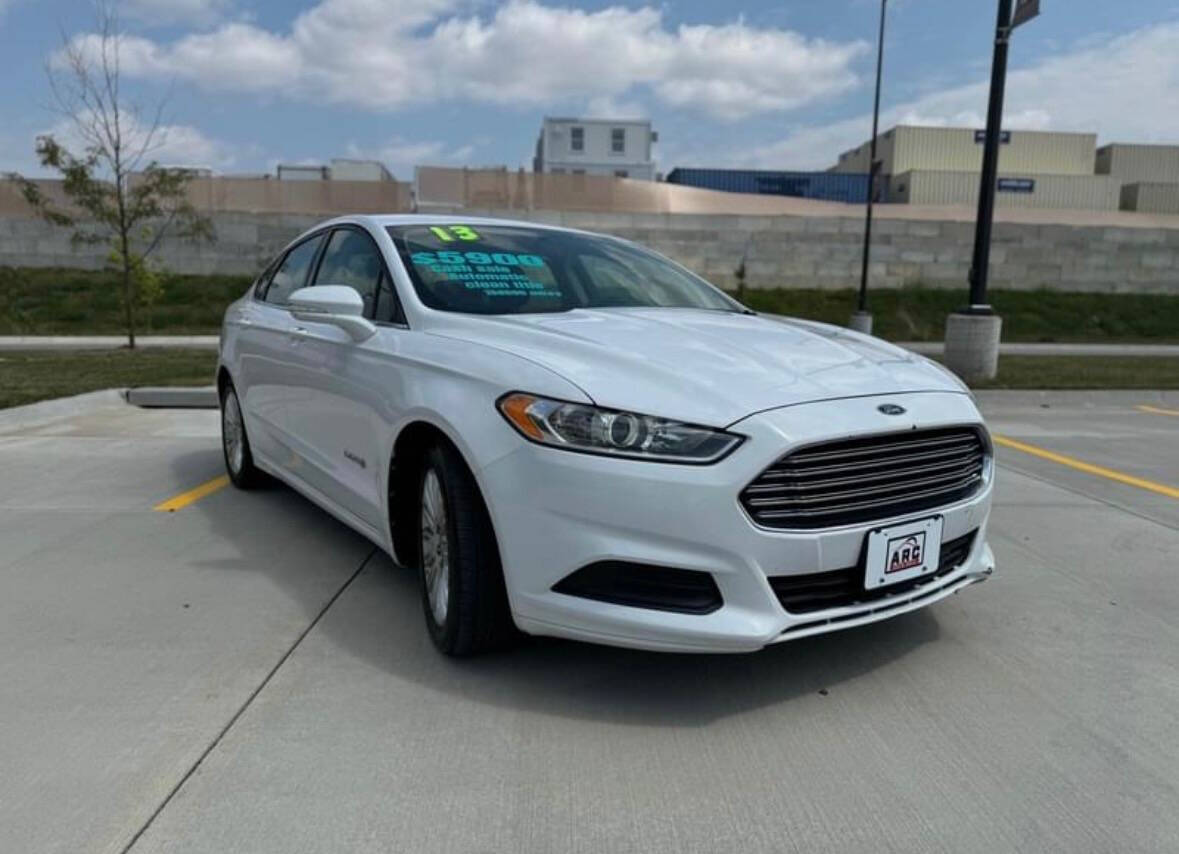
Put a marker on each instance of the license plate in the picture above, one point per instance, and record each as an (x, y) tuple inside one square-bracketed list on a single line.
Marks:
[(902, 552)]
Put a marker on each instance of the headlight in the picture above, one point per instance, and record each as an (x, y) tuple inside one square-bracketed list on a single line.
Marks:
[(590, 429)]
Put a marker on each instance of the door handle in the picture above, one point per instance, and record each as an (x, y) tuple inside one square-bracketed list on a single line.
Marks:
[(297, 334)]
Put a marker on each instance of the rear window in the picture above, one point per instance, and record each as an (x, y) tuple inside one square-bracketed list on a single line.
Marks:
[(521, 270)]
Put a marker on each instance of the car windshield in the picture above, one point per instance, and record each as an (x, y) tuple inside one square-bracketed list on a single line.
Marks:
[(502, 269)]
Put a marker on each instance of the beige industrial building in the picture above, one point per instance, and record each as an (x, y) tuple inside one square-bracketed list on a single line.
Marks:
[(1149, 175), (941, 166), (907, 147), (1149, 197), (1131, 164), (1022, 190)]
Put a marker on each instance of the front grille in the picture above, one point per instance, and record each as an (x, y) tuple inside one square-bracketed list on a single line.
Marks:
[(840, 588), (864, 480)]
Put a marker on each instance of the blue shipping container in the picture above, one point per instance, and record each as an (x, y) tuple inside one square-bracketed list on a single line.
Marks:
[(826, 186)]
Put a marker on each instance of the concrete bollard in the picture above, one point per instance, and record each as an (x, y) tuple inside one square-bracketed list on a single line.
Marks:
[(861, 321), (972, 345)]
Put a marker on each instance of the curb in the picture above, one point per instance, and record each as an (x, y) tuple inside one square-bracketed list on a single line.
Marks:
[(160, 397), (937, 348), (105, 342)]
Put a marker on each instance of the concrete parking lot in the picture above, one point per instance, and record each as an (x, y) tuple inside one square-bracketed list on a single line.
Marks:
[(244, 674)]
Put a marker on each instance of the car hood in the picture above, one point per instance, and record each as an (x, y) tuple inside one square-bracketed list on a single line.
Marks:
[(704, 367)]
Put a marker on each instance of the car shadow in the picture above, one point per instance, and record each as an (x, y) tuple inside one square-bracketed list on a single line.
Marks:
[(379, 620)]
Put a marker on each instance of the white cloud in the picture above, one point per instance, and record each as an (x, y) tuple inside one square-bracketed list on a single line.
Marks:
[(170, 145), (1126, 88), (185, 145), (168, 12), (608, 107), (383, 55)]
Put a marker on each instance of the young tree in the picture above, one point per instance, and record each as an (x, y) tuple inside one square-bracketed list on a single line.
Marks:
[(115, 193)]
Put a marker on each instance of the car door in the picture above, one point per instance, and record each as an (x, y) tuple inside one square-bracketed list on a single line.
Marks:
[(264, 373), (336, 416)]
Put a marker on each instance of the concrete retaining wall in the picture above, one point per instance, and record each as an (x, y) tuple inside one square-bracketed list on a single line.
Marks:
[(782, 251)]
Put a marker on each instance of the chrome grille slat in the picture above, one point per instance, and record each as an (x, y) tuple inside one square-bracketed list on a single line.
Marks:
[(957, 464), (854, 448), (775, 472), (838, 496), (864, 479), (859, 505)]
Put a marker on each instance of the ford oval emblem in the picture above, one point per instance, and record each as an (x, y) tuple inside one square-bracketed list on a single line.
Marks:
[(891, 409)]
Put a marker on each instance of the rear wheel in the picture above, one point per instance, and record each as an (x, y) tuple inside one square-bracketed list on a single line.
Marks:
[(235, 444), (463, 595)]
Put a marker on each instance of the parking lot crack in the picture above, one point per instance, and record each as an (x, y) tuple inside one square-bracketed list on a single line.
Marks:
[(175, 790)]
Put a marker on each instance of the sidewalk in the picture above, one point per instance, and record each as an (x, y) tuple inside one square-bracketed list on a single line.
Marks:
[(209, 342), (104, 342), (935, 348)]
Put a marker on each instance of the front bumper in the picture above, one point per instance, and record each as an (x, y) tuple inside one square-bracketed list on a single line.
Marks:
[(555, 512)]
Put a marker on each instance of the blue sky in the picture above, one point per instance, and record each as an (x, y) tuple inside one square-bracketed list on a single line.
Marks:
[(772, 85)]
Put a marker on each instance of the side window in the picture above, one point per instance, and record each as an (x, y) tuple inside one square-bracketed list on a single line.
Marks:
[(292, 272), (263, 279), (352, 259), (388, 305)]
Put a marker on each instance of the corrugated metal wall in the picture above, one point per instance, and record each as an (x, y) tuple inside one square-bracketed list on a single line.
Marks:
[(826, 186), (909, 147), (955, 150), (857, 161), (1159, 198), (1077, 192), (1139, 163)]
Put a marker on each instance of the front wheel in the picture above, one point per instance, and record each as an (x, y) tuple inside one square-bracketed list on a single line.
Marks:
[(235, 444), (463, 595)]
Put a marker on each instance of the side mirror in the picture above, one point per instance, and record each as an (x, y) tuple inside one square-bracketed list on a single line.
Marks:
[(335, 304)]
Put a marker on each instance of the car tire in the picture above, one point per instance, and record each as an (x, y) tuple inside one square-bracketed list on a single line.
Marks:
[(461, 578), (235, 444)]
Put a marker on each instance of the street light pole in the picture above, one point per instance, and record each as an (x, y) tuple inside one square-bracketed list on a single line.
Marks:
[(972, 335), (862, 319), (980, 265)]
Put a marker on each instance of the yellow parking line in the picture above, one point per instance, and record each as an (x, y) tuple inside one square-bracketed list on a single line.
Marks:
[(196, 494), (1081, 465), (1157, 411)]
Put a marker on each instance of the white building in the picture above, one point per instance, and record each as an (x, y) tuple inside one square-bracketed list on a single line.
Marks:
[(617, 147)]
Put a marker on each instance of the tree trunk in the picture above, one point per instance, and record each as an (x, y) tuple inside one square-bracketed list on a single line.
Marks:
[(128, 294)]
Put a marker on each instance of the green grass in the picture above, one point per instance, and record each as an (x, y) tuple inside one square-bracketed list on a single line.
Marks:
[(1087, 372), (919, 314), (86, 302), (26, 377)]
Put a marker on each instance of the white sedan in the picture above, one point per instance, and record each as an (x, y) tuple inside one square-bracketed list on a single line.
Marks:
[(568, 434)]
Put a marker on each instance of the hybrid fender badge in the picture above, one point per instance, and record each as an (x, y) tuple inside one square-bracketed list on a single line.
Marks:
[(891, 409)]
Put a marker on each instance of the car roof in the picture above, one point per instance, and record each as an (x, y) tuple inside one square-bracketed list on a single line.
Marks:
[(380, 221), (383, 220)]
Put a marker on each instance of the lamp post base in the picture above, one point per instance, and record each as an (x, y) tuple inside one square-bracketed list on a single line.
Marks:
[(861, 321), (972, 345)]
